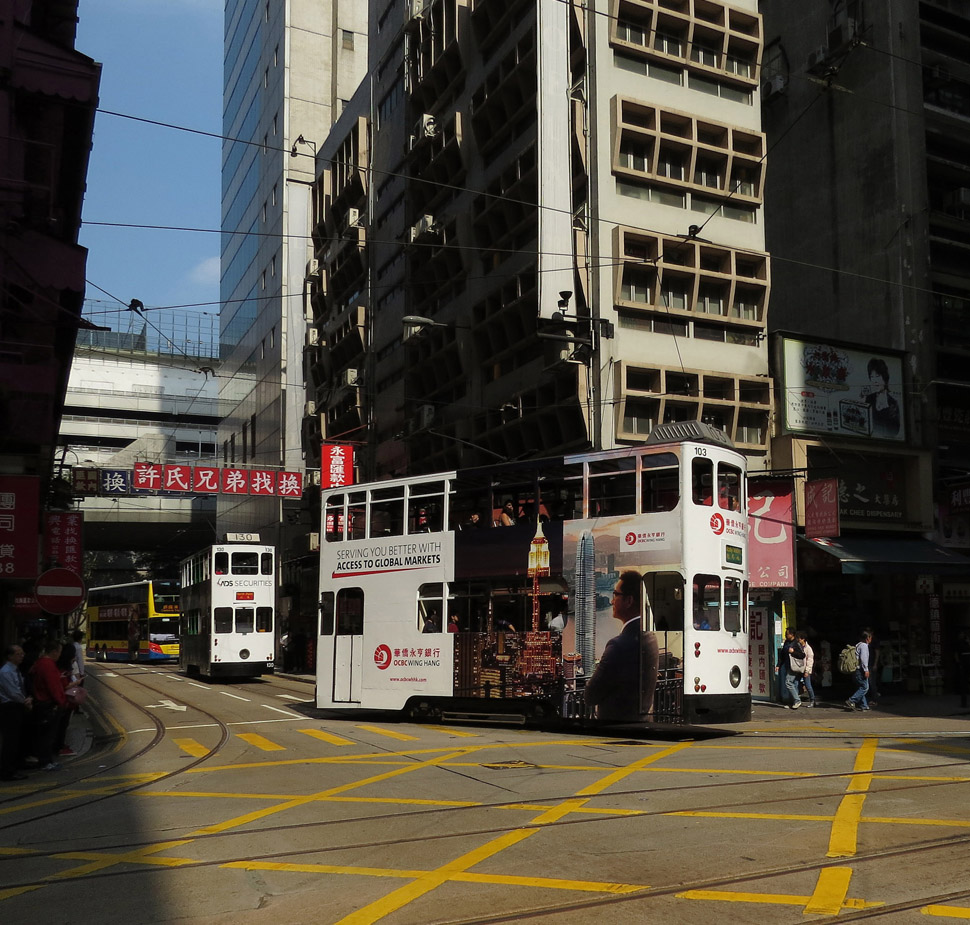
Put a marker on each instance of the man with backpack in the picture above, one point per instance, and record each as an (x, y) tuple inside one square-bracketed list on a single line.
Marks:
[(858, 700)]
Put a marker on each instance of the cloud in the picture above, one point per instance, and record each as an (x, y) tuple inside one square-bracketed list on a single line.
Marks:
[(206, 273)]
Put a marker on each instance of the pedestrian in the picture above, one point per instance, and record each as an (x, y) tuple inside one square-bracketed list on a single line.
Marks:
[(782, 665), (802, 638), (962, 655), (858, 700), (78, 637), (14, 707), (795, 673), (67, 667), (49, 700), (873, 695)]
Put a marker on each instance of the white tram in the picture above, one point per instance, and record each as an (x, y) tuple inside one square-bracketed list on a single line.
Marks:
[(440, 598), (228, 606)]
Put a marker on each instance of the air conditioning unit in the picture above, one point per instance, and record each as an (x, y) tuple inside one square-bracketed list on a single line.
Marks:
[(425, 225), (312, 336), (310, 409), (313, 542), (426, 126), (348, 377), (819, 59), (353, 218), (419, 8), (426, 415), (773, 87), (313, 269)]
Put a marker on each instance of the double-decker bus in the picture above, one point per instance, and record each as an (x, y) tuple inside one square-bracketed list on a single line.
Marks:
[(228, 611), (495, 591), (136, 621)]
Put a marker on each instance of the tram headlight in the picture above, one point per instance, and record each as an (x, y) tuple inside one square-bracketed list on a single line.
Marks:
[(244, 653), (735, 676)]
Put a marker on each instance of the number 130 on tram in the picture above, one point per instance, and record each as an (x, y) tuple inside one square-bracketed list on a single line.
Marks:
[(603, 587)]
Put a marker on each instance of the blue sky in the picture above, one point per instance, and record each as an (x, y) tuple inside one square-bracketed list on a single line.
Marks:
[(161, 60)]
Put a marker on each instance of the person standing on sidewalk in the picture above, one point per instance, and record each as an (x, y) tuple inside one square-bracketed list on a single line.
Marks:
[(783, 665), (795, 673), (858, 700), (809, 666), (14, 704), (49, 702)]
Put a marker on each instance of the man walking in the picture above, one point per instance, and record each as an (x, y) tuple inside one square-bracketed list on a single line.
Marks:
[(858, 700)]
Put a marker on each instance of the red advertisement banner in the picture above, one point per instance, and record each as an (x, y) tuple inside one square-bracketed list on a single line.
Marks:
[(336, 465), (19, 525), (62, 540), (771, 534), (822, 508)]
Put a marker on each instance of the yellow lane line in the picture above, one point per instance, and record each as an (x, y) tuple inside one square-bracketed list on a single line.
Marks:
[(831, 889), (792, 817), (191, 747), (843, 839), (326, 736), (260, 742), (16, 891), (621, 773), (949, 912), (101, 860), (455, 732), (776, 899), (390, 733)]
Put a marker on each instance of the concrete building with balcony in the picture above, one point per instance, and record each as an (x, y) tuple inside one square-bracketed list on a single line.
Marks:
[(540, 228)]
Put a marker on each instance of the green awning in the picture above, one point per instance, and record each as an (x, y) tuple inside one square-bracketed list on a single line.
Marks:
[(881, 555)]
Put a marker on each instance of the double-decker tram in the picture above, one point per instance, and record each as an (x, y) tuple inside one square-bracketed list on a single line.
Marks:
[(137, 621), (228, 611), (604, 586)]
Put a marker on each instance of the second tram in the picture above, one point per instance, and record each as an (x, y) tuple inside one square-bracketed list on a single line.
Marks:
[(520, 589)]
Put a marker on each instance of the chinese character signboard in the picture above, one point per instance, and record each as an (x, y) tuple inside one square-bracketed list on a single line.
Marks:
[(336, 466), (771, 533), (62, 540), (834, 390), (84, 481), (19, 525), (115, 482), (822, 507), (759, 662), (162, 478)]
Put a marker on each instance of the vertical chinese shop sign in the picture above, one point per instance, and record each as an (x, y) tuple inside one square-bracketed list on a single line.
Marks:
[(19, 510)]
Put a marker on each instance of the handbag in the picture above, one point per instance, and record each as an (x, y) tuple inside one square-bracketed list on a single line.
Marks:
[(797, 665), (76, 694)]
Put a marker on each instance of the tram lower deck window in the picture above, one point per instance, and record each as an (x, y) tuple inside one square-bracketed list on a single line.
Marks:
[(222, 619), (707, 602)]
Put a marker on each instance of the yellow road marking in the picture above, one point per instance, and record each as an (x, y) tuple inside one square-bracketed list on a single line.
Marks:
[(191, 747), (843, 839), (390, 733), (326, 736), (101, 860), (831, 889), (16, 891), (621, 773), (455, 732), (260, 742), (949, 912), (776, 899)]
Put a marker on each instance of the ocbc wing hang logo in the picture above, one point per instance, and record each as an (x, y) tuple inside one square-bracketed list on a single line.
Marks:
[(631, 539), (717, 524), (382, 657)]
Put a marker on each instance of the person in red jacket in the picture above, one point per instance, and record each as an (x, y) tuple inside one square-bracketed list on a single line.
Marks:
[(49, 702)]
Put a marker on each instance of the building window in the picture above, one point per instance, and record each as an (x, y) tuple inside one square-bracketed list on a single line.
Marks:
[(347, 39), (634, 156)]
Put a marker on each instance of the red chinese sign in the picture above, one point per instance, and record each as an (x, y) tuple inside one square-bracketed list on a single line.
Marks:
[(822, 507), (62, 540), (208, 480), (336, 465), (771, 533), (19, 525)]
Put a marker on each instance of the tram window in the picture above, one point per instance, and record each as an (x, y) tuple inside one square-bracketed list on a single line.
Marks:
[(702, 480), (245, 619), (326, 613), (426, 507), (387, 514), (665, 600), (264, 619), (357, 515), (659, 490), (430, 608), (612, 487), (222, 563), (350, 612), (707, 602), (333, 525), (245, 563), (266, 563), (732, 605), (223, 619), (728, 487)]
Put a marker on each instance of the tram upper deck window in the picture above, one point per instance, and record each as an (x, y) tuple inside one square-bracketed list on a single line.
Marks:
[(659, 483), (221, 563), (612, 487), (356, 515), (387, 511), (702, 480), (728, 487), (707, 602), (245, 563), (561, 492), (426, 507), (265, 563), (333, 524)]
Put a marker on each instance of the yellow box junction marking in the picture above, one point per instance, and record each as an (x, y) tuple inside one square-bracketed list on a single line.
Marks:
[(191, 747), (260, 742), (326, 736), (390, 733)]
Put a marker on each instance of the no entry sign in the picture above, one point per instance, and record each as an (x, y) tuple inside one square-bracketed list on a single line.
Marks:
[(59, 590)]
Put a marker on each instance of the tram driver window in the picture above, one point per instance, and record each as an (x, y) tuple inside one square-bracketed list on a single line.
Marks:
[(702, 480), (728, 487), (707, 602), (245, 619), (223, 619)]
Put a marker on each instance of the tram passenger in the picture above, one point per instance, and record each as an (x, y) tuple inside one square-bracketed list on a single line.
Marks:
[(508, 518)]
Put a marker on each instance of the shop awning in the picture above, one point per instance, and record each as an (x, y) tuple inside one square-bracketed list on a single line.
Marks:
[(865, 555)]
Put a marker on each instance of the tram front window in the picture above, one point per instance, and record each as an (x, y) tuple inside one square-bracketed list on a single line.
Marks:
[(245, 620), (223, 619)]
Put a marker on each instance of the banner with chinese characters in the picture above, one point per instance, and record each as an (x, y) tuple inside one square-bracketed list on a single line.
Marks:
[(155, 478), (336, 465), (19, 525), (759, 657), (62, 540), (822, 507), (771, 533)]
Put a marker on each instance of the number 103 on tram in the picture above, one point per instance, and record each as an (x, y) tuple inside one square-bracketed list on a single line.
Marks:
[(604, 587)]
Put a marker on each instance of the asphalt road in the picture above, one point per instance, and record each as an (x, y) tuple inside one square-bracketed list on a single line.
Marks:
[(242, 803)]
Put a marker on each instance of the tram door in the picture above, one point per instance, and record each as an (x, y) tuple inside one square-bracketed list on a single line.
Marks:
[(348, 645)]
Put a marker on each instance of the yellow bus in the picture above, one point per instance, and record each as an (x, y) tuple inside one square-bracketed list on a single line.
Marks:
[(134, 622)]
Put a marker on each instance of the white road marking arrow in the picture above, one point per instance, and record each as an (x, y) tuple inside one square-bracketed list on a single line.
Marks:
[(168, 704)]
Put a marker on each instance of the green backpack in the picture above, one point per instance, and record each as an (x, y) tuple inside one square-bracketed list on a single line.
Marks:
[(848, 660)]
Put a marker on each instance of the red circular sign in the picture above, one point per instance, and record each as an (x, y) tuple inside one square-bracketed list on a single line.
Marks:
[(717, 524), (59, 590)]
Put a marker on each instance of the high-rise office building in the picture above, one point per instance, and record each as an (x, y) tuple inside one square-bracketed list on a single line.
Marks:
[(560, 240)]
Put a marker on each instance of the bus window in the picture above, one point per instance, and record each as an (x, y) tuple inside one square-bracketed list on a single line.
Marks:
[(728, 487), (430, 608), (707, 602), (266, 563), (387, 511), (222, 563), (326, 613), (732, 605), (245, 563), (612, 487), (357, 515), (333, 525), (223, 621), (264, 619), (702, 480), (350, 612), (245, 619)]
